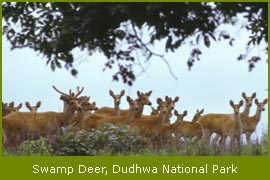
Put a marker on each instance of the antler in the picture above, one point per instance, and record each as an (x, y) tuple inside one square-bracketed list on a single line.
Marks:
[(70, 93), (79, 91), (59, 91)]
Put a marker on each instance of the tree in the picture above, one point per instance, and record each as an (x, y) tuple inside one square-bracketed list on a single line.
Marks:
[(115, 29)]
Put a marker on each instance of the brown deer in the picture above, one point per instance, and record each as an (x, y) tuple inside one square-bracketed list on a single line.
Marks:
[(33, 108), (150, 126), (5, 109), (93, 121), (211, 123), (18, 124), (168, 130), (112, 111), (154, 111), (14, 108), (171, 103), (190, 129), (234, 128), (252, 121), (86, 109)]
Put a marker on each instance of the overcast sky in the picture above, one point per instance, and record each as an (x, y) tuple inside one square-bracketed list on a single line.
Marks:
[(211, 83)]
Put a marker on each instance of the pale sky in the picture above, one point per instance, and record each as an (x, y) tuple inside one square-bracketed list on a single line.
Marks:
[(211, 83)]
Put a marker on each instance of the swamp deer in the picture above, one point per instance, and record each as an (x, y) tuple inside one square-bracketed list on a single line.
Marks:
[(233, 128), (5, 109), (190, 129), (17, 125), (86, 109), (33, 108), (14, 108), (211, 123), (112, 111), (9, 108), (252, 121), (168, 130), (171, 103), (150, 126), (93, 121), (154, 111)]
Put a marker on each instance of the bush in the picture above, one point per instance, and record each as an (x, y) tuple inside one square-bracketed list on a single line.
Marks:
[(38, 147), (107, 140)]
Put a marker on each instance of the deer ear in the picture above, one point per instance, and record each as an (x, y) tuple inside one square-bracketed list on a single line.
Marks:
[(122, 93), (176, 112), (11, 104), (265, 101), (111, 93), (148, 93), (159, 100), (129, 99), (20, 106), (138, 93), (38, 104), (176, 99), (253, 95), (244, 95), (185, 113), (241, 103), (256, 102), (231, 103), (201, 112), (27, 104)]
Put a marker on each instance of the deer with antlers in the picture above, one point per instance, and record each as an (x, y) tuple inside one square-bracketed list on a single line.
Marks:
[(18, 124)]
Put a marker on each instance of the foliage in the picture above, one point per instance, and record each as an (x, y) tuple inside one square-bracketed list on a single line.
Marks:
[(107, 140), (34, 148), (118, 30)]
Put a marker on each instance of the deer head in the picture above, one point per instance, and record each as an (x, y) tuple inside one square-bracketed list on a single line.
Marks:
[(33, 108)]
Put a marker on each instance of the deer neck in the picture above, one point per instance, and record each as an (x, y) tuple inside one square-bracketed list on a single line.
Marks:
[(244, 115), (116, 109), (130, 116), (138, 114), (160, 122), (168, 116), (79, 116), (237, 122), (173, 126), (66, 115), (256, 118)]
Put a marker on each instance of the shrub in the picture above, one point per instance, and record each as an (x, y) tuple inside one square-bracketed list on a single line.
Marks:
[(34, 148), (107, 140)]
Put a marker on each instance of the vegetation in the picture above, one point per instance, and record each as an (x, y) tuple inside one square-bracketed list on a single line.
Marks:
[(121, 30), (120, 140)]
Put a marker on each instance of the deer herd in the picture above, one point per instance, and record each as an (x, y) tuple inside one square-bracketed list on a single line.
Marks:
[(157, 127)]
